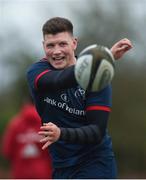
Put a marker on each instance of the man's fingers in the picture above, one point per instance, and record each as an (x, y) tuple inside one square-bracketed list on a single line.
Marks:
[(46, 144), (124, 48), (45, 127), (125, 42), (43, 133), (48, 124), (50, 134), (44, 139), (46, 133)]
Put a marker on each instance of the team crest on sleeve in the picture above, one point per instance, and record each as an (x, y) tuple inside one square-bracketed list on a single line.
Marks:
[(80, 93)]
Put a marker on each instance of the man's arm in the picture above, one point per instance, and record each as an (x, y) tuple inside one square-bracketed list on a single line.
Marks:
[(57, 80), (44, 79), (120, 48), (91, 134)]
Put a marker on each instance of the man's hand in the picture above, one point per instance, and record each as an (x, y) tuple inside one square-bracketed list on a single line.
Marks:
[(50, 133), (120, 48)]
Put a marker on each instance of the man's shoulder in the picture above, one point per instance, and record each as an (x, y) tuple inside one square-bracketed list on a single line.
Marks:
[(38, 65)]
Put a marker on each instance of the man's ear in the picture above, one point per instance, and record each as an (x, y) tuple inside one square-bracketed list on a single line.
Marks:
[(75, 42)]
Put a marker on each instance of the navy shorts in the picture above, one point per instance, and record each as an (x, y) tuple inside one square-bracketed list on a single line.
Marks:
[(98, 168)]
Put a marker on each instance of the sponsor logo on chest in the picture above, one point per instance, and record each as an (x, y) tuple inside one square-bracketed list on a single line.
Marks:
[(68, 102)]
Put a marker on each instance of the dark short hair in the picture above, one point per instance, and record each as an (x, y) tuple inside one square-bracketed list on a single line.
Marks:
[(56, 25)]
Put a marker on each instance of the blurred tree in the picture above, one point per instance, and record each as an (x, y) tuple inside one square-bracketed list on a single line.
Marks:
[(15, 64)]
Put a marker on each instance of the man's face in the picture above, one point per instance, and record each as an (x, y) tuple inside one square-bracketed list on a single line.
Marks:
[(59, 49)]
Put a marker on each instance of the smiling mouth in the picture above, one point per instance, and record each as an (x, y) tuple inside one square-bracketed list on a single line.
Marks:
[(58, 58)]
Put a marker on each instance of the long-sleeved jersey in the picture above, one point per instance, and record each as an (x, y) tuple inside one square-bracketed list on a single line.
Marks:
[(60, 100)]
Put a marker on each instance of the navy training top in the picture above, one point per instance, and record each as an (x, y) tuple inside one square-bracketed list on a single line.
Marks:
[(66, 107)]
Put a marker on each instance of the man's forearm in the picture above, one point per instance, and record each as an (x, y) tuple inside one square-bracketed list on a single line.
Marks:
[(85, 134), (57, 80), (92, 133)]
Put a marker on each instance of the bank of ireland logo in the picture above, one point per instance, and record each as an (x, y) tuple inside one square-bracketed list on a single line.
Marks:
[(64, 97)]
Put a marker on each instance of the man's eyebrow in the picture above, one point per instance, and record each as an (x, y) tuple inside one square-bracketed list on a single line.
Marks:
[(49, 43)]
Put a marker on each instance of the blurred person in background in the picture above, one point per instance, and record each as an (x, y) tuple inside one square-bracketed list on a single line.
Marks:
[(22, 148)]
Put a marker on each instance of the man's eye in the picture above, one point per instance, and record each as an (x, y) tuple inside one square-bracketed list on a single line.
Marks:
[(63, 44), (50, 46)]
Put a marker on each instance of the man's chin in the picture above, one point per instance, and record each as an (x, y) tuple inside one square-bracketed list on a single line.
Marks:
[(59, 66)]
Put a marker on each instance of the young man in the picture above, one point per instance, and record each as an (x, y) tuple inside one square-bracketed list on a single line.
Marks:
[(74, 124)]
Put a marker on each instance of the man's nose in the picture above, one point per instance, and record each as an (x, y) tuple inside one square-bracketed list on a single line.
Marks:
[(57, 50)]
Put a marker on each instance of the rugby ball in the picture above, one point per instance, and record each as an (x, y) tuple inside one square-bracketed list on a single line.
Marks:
[(95, 68)]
